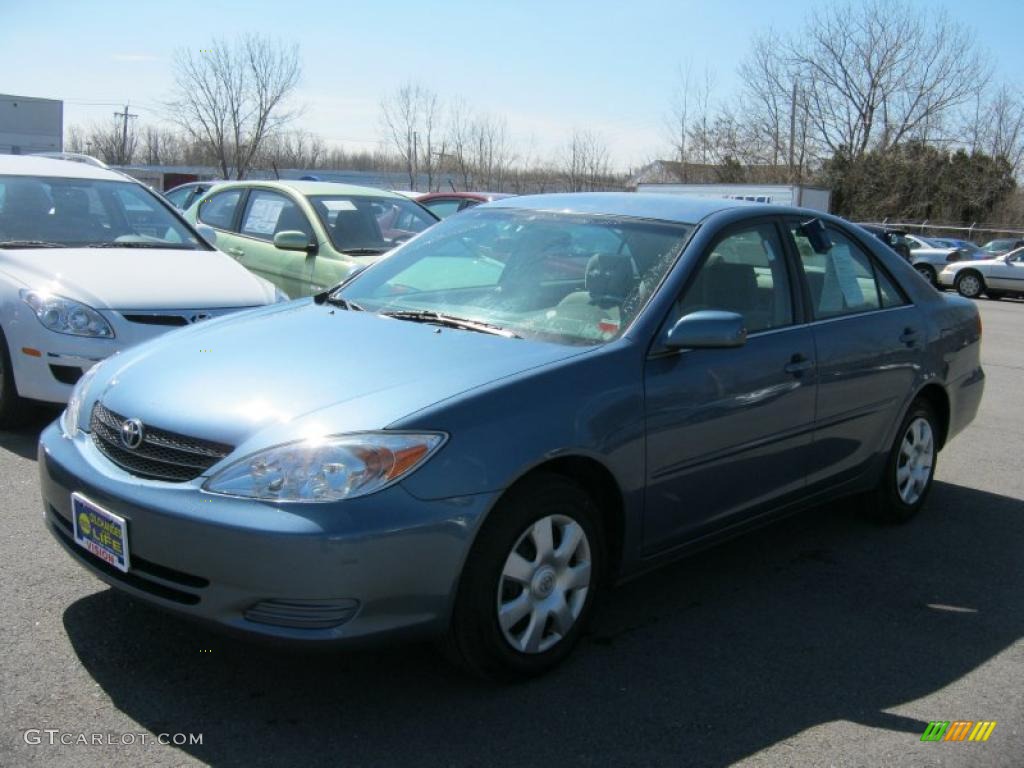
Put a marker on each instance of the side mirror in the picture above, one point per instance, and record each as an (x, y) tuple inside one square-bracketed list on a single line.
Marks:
[(208, 233), (292, 240), (708, 329)]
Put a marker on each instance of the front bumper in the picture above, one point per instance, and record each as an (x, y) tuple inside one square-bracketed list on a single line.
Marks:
[(323, 573)]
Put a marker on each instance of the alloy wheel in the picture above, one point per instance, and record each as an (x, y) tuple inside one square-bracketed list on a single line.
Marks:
[(915, 460), (544, 583)]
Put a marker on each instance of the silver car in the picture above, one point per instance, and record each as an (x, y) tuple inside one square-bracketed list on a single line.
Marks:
[(929, 258)]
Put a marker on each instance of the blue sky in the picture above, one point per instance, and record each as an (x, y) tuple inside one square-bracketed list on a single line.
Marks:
[(549, 67)]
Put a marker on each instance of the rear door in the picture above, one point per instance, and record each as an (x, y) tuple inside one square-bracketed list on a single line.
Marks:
[(729, 430), (868, 341)]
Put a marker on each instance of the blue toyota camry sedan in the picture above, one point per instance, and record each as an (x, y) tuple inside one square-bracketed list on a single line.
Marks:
[(475, 436)]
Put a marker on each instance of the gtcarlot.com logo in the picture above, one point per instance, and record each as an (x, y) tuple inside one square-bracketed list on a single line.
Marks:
[(53, 736), (958, 730)]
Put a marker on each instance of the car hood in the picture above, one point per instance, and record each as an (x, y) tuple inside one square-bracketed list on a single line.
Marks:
[(298, 369), (138, 278)]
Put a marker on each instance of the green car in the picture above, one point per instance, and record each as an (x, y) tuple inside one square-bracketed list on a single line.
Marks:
[(306, 236)]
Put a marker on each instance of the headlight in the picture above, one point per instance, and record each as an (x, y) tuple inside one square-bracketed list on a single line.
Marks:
[(69, 419), (326, 469), (67, 316)]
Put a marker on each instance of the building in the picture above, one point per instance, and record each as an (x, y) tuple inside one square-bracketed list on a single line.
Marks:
[(28, 125)]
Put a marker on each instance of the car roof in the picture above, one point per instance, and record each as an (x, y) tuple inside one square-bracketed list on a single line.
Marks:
[(29, 165), (314, 187), (683, 209)]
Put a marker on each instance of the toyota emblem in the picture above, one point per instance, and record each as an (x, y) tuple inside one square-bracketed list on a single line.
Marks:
[(131, 434)]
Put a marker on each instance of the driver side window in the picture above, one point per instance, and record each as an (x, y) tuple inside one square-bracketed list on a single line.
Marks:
[(744, 273)]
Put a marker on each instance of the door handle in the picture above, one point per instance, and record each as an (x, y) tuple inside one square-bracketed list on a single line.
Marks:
[(235, 252), (798, 364), (909, 337)]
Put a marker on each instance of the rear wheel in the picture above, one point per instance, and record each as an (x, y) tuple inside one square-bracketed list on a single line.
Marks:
[(910, 467), (530, 581), (13, 408), (970, 284), (925, 271)]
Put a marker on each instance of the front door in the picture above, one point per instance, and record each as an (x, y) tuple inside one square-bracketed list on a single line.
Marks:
[(729, 430), (1009, 275), (266, 213)]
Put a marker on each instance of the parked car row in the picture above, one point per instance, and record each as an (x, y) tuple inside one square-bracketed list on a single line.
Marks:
[(470, 439)]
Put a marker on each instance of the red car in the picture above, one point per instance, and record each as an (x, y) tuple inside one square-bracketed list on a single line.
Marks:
[(444, 204)]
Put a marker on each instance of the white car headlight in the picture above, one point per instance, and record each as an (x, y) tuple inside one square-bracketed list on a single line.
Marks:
[(67, 315), (69, 419), (327, 468)]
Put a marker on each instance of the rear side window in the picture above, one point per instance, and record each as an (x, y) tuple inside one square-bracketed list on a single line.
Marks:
[(219, 209), (443, 208), (844, 281)]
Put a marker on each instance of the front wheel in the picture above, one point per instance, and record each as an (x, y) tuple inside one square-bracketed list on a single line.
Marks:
[(530, 581), (910, 467), (969, 285)]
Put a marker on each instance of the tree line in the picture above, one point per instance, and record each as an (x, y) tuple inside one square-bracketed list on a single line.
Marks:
[(891, 105)]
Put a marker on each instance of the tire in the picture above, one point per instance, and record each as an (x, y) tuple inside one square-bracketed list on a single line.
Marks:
[(994, 295), (511, 541), (909, 467), (13, 407), (970, 284), (929, 274)]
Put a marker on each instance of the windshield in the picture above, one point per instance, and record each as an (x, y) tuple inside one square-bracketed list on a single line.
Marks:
[(69, 212), (566, 278), (357, 223)]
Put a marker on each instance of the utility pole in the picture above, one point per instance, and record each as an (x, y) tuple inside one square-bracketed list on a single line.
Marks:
[(124, 133), (792, 130)]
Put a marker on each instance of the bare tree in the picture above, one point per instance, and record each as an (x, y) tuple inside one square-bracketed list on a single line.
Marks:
[(585, 164), (113, 141), (997, 127), (161, 146), (883, 73), (233, 96), (411, 121)]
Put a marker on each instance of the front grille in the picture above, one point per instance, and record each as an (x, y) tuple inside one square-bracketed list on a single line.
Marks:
[(162, 455), (173, 320)]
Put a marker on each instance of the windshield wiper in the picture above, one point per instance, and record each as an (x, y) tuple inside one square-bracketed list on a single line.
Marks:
[(366, 251), (462, 323), (137, 244), (31, 244), (328, 297)]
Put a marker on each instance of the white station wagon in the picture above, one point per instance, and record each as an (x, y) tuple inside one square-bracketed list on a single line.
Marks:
[(92, 262)]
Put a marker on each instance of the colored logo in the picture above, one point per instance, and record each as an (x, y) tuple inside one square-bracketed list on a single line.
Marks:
[(131, 434), (958, 730), (83, 524)]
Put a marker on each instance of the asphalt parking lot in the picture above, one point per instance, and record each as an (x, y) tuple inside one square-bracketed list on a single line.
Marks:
[(824, 640)]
